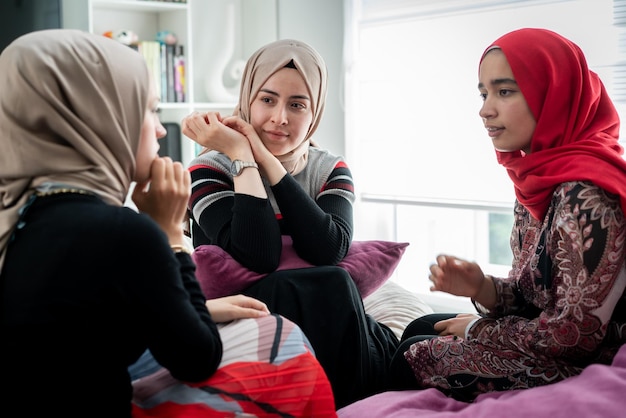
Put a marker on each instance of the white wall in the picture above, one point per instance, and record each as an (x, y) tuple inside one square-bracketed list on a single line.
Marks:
[(320, 23)]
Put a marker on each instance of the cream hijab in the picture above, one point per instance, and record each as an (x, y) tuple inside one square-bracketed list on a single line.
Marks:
[(71, 109), (263, 64)]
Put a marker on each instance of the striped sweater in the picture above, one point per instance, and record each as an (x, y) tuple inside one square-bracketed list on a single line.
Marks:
[(314, 207)]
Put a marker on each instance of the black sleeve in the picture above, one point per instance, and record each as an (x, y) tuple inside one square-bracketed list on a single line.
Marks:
[(175, 321), (320, 227), (245, 226)]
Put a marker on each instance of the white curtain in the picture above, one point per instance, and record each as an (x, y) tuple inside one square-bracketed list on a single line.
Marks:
[(412, 130), (413, 120)]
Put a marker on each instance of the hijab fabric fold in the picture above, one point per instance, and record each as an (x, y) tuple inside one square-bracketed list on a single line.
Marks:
[(71, 109), (576, 137)]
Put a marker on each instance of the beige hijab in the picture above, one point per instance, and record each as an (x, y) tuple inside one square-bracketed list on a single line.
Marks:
[(271, 58), (71, 109)]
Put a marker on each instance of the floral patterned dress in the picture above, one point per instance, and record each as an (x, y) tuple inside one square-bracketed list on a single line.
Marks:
[(562, 307)]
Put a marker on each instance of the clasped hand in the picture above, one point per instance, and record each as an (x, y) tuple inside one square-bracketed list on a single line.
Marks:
[(230, 135), (209, 130)]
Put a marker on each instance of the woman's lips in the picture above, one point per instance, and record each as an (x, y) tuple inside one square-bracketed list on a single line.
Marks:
[(276, 135), (493, 131)]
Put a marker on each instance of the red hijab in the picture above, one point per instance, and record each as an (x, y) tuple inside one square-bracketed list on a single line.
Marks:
[(576, 137)]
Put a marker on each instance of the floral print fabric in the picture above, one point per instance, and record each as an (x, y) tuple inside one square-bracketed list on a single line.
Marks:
[(561, 308)]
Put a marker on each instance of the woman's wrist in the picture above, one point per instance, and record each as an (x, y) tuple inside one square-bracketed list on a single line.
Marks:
[(180, 248), (486, 295), (178, 242)]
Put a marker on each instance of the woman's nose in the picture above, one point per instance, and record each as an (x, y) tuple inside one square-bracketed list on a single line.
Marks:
[(279, 116), (486, 111), (160, 130)]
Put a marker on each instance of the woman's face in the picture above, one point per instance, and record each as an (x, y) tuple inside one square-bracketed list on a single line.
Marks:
[(281, 112), (505, 113), (151, 131)]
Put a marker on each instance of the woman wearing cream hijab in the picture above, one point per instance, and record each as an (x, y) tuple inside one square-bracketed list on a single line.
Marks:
[(262, 183), (87, 284)]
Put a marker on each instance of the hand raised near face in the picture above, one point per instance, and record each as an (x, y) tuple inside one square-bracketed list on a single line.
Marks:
[(269, 166), (260, 152), (208, 130), (164, 197)]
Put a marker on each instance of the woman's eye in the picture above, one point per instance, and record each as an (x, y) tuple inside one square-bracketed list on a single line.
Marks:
[(505, 92), (483, 96), (299, 105)]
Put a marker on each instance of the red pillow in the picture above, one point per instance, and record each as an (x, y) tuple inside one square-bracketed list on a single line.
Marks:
[(370, 264)]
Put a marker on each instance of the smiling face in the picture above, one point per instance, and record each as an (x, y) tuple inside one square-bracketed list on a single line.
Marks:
[(510, 123), (281, 112)]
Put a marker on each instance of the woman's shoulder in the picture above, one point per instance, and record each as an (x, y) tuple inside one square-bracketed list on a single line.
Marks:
[(320, 157), (582, 188), (317, 152), (211, 158), (98, 224), (586, 196), (115, 222)]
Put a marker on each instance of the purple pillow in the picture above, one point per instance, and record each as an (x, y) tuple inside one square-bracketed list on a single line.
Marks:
[(370, 264)]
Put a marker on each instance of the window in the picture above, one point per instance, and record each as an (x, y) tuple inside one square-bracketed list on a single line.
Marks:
[(425, 170)]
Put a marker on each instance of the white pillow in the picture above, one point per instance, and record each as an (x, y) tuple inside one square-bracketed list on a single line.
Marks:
[(395, 306)]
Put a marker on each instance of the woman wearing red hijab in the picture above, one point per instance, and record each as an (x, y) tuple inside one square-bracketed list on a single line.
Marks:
[(562, 307)]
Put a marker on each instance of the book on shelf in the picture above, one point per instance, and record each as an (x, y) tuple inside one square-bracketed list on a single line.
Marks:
[(168, 69), (170, 72), (179, 74), (151, 52), (166, 63)]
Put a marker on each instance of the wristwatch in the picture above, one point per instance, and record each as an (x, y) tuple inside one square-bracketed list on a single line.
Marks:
[(237, 167)]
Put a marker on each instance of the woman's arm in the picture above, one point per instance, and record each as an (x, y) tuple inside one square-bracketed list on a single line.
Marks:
[(245, 226), (168, 301), (161, 276), (320, 219), (581, 286), (231, 211)]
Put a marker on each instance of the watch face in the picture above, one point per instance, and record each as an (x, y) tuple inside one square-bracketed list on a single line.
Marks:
[(235, 168)]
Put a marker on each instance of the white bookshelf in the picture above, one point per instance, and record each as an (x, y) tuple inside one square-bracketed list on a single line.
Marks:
[(213, 40)]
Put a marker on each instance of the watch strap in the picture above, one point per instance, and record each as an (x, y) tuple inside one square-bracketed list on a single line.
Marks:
[(238, 166)]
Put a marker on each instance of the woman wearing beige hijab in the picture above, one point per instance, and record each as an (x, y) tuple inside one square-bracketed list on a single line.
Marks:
[(262, 183), (87, 284)]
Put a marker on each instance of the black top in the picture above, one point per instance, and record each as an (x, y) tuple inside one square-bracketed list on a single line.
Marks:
[(86, 288), (314, 207)]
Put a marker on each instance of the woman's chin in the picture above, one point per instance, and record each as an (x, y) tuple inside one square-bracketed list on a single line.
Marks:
[(278, 151)]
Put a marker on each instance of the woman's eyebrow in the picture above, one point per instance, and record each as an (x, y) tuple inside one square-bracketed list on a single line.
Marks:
[(268, 91), (297, 96), (498, 81)]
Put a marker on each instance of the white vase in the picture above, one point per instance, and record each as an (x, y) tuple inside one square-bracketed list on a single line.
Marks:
[(220, 56)]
